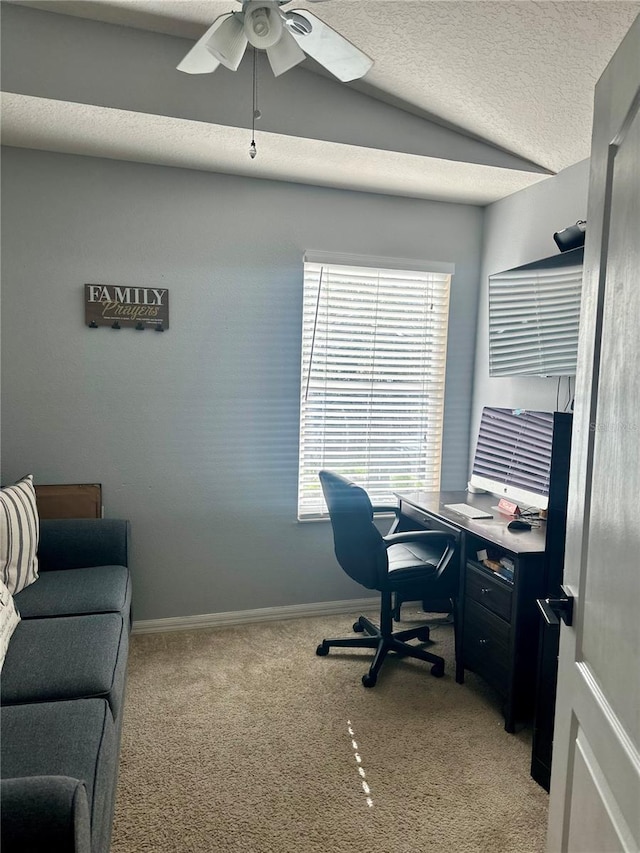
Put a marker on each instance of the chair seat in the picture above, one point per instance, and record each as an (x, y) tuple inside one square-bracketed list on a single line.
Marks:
[(410, 555), (411, 561)]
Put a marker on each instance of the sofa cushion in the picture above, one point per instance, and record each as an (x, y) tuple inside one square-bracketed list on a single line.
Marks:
[(67, 657), (70, 592), (9, 618), (19, 532), (74, 739)]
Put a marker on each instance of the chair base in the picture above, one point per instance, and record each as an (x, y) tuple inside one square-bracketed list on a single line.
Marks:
[(384, 642), (443, 605)]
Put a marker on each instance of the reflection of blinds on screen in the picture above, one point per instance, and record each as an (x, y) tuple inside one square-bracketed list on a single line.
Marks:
[(534, 317), (514, 451)]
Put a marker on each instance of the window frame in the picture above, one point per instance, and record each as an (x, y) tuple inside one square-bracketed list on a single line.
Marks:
[(435, 275)]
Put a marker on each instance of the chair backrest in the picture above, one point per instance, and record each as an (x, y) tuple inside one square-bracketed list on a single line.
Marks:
[(357, 541)]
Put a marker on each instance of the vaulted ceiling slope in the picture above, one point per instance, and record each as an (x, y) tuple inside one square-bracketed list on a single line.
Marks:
[(466, 101)]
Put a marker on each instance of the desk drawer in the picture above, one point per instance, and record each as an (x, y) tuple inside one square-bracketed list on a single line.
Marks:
[(489, 592), (486, 645), (427, 521)]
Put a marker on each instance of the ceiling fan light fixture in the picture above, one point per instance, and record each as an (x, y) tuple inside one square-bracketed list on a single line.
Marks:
[(284, 54), (199, 60), (263, 25), (297, 23), (229, 42)]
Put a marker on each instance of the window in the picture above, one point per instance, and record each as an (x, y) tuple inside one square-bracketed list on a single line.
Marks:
[(374, 344)]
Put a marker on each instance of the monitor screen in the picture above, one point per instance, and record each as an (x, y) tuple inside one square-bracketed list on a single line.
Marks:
[(513, 455)]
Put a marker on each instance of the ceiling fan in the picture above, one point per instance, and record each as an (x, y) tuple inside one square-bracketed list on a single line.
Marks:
[(285, 36)]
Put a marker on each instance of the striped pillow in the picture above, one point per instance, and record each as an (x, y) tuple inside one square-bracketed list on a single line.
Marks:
[(19, 532), (9, 618)]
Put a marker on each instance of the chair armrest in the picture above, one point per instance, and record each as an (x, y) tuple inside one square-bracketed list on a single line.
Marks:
[(45, 814), (395, 510), (432, 537), (77, 543)]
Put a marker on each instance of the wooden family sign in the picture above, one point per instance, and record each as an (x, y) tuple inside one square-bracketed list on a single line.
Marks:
[(118, 307)]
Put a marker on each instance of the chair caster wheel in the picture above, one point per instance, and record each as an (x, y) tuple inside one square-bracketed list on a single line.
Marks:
[(437, 670), (423, 636), (357, 627), (369, 680), (322, 650)]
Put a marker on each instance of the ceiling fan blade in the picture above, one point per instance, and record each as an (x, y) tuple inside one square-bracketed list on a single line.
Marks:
[(332, 50), (199, 60)]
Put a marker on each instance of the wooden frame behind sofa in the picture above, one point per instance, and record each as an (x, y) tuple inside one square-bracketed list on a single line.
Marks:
[(70, 500)]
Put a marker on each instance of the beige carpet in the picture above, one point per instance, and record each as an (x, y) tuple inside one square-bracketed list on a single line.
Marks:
[(242, 739)]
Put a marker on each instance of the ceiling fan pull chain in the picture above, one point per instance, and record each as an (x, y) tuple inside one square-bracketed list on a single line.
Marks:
[(256, 114)]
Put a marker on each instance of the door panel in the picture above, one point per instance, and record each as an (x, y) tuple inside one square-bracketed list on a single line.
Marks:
[(593, 807), (611, 631), (595, 783), (596, 728)]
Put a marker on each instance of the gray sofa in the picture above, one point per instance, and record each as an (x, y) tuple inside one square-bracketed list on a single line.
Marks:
[(62, 691)]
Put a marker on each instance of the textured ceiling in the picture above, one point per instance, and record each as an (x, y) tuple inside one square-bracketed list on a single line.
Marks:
[(124, 135), (518, 74)]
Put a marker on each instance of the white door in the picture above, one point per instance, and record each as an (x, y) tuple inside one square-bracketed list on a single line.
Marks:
[(595, 781)]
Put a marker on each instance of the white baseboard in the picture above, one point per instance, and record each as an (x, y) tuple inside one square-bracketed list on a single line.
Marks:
[(262, 614)]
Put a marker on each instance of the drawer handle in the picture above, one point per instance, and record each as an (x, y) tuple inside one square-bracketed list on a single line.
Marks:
[(485, 590)]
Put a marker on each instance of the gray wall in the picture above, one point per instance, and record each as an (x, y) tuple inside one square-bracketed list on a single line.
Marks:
[(193, 433), (519, 229)]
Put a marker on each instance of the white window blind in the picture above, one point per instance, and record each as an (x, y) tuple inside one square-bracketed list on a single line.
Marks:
[(534, 317), (374, 344)]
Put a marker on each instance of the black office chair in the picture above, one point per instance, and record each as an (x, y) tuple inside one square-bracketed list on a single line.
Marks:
[(418, 564)]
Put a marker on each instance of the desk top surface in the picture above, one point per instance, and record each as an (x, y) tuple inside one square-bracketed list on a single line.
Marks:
[(493, 529)]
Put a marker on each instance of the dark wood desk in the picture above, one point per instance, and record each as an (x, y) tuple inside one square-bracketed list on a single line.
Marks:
[(497, 631)]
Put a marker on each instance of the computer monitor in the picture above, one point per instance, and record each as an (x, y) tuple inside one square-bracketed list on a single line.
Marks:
[(513, 455)]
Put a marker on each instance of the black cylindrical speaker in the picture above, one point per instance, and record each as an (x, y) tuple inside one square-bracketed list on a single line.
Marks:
[(571, 237)]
